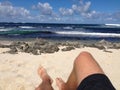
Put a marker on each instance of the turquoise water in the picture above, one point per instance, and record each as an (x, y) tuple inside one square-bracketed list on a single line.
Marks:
[(61, 31)]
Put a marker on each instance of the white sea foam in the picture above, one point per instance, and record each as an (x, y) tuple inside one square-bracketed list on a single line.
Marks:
[(6, 29), (1, 27), (26, 27), (118, 25), (48, 27), (88, 34), (68, 27)]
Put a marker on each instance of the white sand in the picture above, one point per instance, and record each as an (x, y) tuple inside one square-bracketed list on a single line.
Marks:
[(19, 71)]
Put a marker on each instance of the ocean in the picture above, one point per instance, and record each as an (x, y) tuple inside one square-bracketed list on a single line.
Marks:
[(109, 32)]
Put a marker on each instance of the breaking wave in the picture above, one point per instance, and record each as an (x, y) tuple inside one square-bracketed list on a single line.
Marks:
[(118, 25), (6, 29), (26, 27), (93, 34)]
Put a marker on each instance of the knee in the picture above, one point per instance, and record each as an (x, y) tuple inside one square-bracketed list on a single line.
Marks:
[(82, 56), (84, 53)]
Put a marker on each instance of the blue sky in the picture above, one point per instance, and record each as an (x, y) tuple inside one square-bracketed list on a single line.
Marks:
[(60, 11)]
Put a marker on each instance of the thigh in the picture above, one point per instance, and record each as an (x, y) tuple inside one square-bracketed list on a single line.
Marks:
[(86, 65)]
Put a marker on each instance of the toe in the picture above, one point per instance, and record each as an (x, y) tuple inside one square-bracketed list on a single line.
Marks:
[(44, 75), (61, 84), (41, 70)]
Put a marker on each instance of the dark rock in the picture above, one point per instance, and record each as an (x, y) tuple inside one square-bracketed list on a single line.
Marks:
[(17, 43), (13, 50), (78, 45), (20, 48), (49, 49), (28, 49), (4, 46), (35, 52), (116, 45), (99, 46), (104, 45), (107, 51), (36, 46), (110, 46), (25, 47), (67, 43), (40, 42), (104, 42), (69, 48), (96, 45), (54, 48)]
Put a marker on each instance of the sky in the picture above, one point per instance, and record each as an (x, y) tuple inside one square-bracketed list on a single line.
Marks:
[(60, 11)]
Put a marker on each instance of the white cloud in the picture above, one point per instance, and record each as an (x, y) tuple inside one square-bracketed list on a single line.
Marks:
[(8, 11), (44, 8), (113, 17), (44, 12), (81, 8), (6, 3), (104, 17), (91, 14), (116, 15), (65, 11), (86, 6), (79, 12)]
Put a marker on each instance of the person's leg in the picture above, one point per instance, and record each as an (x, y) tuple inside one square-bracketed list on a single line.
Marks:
[(84, 65), (46, 80), (71, 83)]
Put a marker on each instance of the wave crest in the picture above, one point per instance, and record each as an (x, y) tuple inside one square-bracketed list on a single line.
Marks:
[(88, 34)]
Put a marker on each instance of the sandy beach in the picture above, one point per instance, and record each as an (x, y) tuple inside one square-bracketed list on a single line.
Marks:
[(19, 71)]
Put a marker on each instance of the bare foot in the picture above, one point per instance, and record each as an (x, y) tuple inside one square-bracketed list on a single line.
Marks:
[(46, 80), (61, 84), (44, 75)]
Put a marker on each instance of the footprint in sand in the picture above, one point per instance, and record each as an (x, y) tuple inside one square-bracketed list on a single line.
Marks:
[(14, 86), (1, 88)]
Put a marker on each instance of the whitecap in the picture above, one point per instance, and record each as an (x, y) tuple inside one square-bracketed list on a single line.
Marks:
[(26, 27), (68, 27), (118, 25), (88, 34), (6, 29)]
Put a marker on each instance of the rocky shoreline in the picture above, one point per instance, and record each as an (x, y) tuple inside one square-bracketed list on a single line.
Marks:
[(39, 46)]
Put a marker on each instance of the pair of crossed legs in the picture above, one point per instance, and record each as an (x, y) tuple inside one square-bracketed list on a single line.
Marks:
[(84, 65)]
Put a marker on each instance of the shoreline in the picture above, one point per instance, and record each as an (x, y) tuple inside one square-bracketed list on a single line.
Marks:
[(55, 40), (38, 46)]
